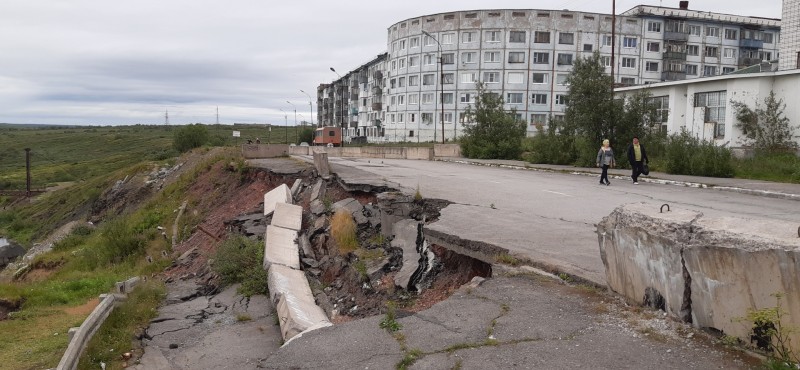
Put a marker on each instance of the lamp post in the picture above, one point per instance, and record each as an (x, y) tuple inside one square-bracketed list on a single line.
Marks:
[(286, 125), (342, 103), (310, 108), (441, 82), (295, 120)]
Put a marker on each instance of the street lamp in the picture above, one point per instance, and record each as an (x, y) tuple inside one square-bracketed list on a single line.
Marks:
[(441, 83), (310, 108), (295, 120), (342, 103), (286, 125)]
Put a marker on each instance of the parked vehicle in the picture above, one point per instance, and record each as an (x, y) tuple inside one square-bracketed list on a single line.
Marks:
[(328, 135)]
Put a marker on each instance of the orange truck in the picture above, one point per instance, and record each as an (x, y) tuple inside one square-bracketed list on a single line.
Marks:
[(328, 135)]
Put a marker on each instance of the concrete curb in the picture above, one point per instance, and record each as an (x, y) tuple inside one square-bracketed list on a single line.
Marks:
[(757, 192), (81, 336)]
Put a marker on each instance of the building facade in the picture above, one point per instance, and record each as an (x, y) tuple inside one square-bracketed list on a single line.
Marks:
[(790, 35), (434, 62)]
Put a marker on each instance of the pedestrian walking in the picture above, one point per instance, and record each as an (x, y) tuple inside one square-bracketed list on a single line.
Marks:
[(637, 156), (605, 159)]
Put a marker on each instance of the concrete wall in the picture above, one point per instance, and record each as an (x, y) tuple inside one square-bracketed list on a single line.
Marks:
[(447, 150), (707, 270), (264, 150), (387, 152)]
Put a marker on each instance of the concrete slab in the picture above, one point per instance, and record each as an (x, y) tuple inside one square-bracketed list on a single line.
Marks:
[(318, 191), (294, 302), (354, 207), (280, 247), (280, 194), (288, 216), (296, 187), (405, 234), (322, 165)]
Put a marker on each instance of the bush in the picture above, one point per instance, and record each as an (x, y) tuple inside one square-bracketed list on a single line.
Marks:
[(687, 155), (495, 133), (120, 241), (343, 230), (189, 137), (240, 260)]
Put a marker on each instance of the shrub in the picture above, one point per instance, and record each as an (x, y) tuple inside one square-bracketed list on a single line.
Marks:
[(343, 230), (120, 240), (688, 155), (189, 137), (495, 133), (240, 260)]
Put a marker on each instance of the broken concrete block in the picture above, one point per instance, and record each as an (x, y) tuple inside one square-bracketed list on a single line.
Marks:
[(417, 257), (318, 191), (294, 302), (288, 216), (354, 207), (322, 165), (296, 187), (305, 245), (280, 194), (280, 247)]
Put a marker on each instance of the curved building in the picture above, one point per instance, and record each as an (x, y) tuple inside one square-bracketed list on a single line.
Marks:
[(434, 61)]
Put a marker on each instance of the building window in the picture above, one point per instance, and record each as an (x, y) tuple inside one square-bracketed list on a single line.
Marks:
[(729, 53), (401, 82), (515, 77), (492, 36), (561, 99), (566, 38), (765, 55), (448, 79), (709, 71), (516, 57), (605, 61), (651, 67), (587, 47), (411, 133), (469, 57), (712, 31), (539, 78), (413, 61), (448, 58), (400, 118), (766, 37), (538, 119), (607, 40), (564, 59), (628, 80), (629, 42), (427, 98), (401, 63), (731, 34), (447, 38), (514, 98), (711, 51), (448, 117), (414, 42), (691, 69), (694, 30), (541, 58), (402, 44), (394, 65), (467, 98), (427, 118), (413, 80), (541, 37), (393, 83), (491, 77), (516, 36), (447, 98), (653, 26), (429, 59), (661, 105), (468, 77), (428, 79), (714, 102), (726, 70), (413, 99), (491, 57), (467, 37), (429, 41), (654, 47), (628, 62), (561, 79), (412, 117), (393, 100), (539, 98), (693, 50)]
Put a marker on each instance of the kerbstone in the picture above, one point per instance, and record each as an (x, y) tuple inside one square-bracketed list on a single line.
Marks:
[(280, 194)]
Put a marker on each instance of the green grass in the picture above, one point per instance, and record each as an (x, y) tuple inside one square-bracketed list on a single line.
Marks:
[(781, 167), (239, 260)]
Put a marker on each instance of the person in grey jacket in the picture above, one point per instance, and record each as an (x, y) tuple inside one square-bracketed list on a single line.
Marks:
[(605, 159)]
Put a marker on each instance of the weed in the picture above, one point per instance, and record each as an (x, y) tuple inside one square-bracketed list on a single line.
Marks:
[(327, 202), (457, 365), (369, 254), (491, 342), (771, 334), (417, 195), (361, 268), (343, 230), (729, 340), (377, 239), (460, 346), (565, 277), (389, 322), (242, 317), (507, 259), (239, 260), (409, 359), (492, 206)]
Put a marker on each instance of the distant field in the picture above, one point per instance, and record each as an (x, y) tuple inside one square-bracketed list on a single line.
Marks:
[(76, 153)]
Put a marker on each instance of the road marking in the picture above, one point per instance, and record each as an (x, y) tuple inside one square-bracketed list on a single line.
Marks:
[(555, 192)]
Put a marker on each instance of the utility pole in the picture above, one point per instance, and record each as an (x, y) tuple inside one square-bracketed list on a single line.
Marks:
[(613, 39), (166, 117), (217, 114), (28, 172)]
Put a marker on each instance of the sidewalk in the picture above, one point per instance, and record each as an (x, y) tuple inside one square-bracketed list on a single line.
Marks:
[(744, 186)]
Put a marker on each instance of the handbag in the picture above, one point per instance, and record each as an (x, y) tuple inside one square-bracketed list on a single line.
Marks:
[(645, 169)]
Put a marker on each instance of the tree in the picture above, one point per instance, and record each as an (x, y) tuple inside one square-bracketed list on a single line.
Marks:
[(765, 128), (189, 137), (306, 135), (494, 133)]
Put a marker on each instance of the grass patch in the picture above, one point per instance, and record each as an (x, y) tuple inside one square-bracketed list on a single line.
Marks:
[(409, 359), (242, 317), (343, 230), (781, 167), (507, 259), (240, 260), (389, 322), (114, 337)]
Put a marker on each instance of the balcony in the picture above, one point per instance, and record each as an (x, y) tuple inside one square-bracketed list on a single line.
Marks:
[(378, 75), (751, 43), (676, 36), (377, 90), (673, 76), (745, 62), (376, 106), (674, 55)]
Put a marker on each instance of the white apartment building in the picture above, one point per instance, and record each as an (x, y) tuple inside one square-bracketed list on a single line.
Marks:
[(526, 56)]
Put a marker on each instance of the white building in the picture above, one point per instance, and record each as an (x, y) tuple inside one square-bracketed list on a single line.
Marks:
[(703, 106), (790, 35)]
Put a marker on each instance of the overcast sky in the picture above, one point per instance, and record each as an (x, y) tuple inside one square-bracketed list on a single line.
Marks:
[(100, 62)]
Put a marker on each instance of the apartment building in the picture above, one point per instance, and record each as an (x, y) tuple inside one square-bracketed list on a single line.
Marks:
[(790, 36), (433, 62)]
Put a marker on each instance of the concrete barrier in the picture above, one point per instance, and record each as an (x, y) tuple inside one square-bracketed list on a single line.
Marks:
[(710, 271), (419, 153), (281, 194), (322, 165), (299, 150), (250, 151), (294, 302), (281, 248), (81, 336), (447, 150)]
